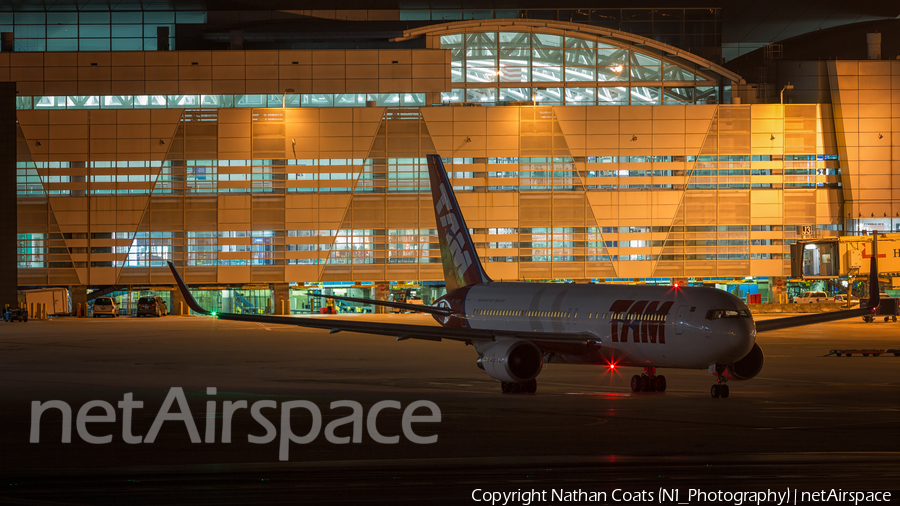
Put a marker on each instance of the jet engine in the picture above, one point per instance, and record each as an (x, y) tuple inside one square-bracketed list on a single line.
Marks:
[(747, 367), (512, 360)]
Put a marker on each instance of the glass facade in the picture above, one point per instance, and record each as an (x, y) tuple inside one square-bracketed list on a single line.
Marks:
[(218, 101), (540, 210), (492, 67), (343, 195), (93, 31), (410, 175)]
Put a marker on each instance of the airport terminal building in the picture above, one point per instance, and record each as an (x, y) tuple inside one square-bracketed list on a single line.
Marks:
[(579, 152)]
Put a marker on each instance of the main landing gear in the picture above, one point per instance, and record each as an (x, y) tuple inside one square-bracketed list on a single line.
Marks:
[(648, 381), (528, 387), (720, 389)]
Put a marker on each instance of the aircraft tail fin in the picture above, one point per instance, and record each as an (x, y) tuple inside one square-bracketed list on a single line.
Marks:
[(462, 267), (874, 288), (187, 293)]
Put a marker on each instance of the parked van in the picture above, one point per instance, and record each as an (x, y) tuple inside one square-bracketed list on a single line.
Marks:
[(812, 298)]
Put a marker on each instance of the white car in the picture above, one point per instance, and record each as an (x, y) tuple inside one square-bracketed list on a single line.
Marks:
[(105, 306), (842, 299), (812, 298)]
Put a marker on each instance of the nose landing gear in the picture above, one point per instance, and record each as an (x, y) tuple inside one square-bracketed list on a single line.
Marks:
[(648, 381), (720, 389)]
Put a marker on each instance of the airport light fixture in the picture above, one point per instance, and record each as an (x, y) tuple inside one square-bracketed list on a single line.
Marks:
[(788, 86)]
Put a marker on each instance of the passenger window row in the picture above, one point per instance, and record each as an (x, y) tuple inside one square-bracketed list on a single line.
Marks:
[(631, 316), (514, 312), (567, 314)]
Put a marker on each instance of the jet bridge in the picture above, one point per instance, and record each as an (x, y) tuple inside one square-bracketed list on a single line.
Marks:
[(833, 257)]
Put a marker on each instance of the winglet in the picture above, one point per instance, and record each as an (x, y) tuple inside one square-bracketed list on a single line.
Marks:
[(874, 289), (462, 267), (186, 293)]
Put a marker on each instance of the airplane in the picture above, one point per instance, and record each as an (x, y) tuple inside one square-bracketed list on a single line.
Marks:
[(517, 327)]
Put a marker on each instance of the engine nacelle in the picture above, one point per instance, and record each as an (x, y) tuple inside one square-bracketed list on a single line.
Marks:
[(512, 360), (747, 367)]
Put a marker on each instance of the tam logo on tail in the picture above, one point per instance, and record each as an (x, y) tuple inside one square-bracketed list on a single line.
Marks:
[(461, 258), (462, 267)]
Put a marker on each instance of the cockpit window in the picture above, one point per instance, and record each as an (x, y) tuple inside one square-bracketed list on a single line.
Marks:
[(717, 314)]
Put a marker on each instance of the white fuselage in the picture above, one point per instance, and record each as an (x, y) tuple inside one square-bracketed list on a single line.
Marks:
[(642, 326)]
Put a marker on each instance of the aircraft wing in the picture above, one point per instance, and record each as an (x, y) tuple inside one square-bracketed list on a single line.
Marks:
[(418, 308), (404, 331), (809, 319), (400, 331)]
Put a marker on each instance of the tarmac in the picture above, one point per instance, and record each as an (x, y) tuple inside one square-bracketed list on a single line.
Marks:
[(809, 421)]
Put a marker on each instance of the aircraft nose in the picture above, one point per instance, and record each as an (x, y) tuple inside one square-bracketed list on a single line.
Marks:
[(743, 336)]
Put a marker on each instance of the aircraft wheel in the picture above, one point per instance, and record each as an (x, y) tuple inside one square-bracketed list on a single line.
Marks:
[(635, 383), (723, 391), (531, 386), (661, 385), (714, 391), (505, 387)]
